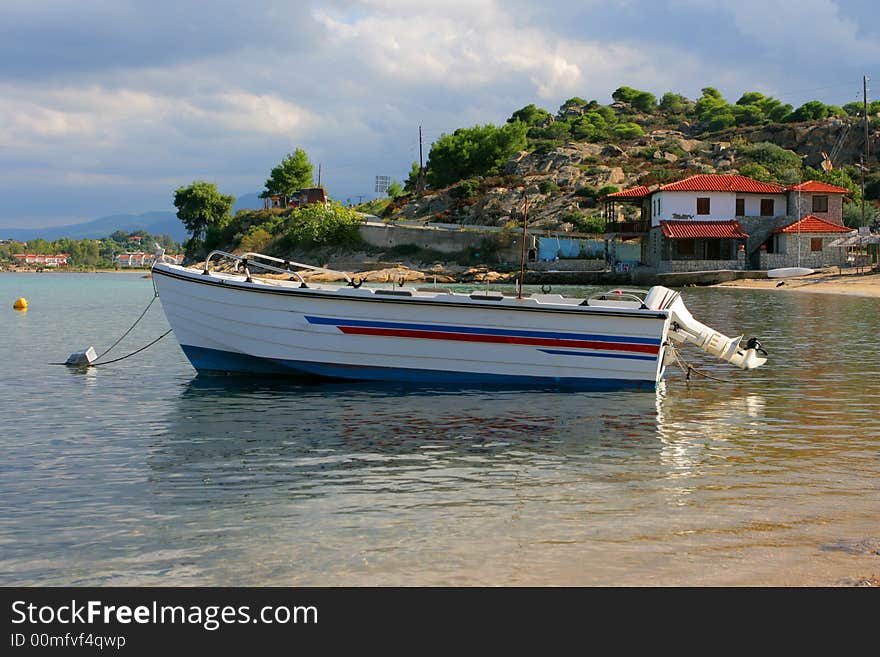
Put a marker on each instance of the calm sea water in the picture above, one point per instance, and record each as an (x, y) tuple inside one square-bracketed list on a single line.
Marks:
[(142, 473)]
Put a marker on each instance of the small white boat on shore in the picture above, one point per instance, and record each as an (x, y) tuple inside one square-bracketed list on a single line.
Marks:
[(232, 322), (788, 272)]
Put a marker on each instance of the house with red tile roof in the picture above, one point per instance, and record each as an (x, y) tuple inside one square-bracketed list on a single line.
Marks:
[(803, 243), (43, 260), (713, 221)]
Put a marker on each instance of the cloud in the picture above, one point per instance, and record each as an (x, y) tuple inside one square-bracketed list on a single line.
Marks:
[(121, 101), (53, 39)]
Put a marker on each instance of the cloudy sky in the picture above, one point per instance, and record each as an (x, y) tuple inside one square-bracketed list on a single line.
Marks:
[(106, 106)]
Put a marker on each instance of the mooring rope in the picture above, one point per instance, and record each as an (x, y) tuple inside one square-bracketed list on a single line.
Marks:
[(687, 368), (130, 328), (116, 360), (122, 337)]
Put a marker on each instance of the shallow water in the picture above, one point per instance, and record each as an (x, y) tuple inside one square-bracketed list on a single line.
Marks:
[(143, 473)]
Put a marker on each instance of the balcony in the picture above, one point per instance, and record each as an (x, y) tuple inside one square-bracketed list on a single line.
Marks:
[(628, 227)]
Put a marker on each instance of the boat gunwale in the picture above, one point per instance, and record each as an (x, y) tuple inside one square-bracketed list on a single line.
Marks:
[(199, 278)]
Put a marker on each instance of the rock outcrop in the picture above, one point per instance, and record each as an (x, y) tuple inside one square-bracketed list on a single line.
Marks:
[(562, 183)]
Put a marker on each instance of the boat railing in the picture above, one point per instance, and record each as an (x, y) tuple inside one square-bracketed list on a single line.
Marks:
[(254, 259), (620, 294)]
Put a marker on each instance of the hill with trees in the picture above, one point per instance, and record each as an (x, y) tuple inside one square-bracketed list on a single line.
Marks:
[(569, 159), (565, 161)]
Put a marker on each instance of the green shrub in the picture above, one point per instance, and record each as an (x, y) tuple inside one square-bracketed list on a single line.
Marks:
[(257, 239), (627, 131), (548, 187), (317, 225), (776, 163), (585, 223), (466, 189), (721, 121), (587, 190), (757, 172), (544, 146), (606, 190)]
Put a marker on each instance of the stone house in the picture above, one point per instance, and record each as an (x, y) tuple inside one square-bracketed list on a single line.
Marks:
[(803, 243), (714, 221), (818, 199)]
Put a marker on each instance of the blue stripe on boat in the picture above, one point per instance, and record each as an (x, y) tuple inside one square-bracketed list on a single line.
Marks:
[(214, 360), (475, 330), (594, 354)]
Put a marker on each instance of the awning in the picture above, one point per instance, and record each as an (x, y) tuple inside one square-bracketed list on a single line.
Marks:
[(686, 230), (855, 240)]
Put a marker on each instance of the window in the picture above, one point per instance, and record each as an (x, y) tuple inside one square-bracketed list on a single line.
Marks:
[(685, 247), (815, 244), (820, 204), (702, 206), (740, 207), (767, 207)]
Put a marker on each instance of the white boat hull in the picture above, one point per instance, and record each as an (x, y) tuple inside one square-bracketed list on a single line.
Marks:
[(787, 272), (226, 324)]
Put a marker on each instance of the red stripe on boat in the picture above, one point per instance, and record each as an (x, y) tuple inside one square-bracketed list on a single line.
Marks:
[(504, 339)]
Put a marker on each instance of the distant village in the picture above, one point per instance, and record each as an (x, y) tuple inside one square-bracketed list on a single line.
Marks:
[(20, 257)]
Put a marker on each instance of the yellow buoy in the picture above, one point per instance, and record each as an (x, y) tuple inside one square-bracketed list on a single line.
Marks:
[(20, 304)]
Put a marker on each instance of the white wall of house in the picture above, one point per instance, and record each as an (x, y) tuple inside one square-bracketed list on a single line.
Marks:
[(722, 206), (678, 206), (753, 204)]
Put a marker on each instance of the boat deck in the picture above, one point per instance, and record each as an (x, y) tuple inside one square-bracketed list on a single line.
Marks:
[(439, 294)]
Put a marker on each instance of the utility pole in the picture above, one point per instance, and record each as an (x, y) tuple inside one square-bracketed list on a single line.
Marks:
[(319, 174), (421, 183), (867, 142), (522, 261), (865, 101)]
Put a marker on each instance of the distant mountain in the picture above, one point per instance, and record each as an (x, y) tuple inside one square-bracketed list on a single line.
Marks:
[(248, 202), (159, 222), (155, 223)]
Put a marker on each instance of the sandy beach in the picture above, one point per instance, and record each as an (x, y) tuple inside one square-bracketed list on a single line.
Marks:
[(826, 282)]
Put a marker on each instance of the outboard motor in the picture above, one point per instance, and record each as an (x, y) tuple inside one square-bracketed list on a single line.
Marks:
[(684, 328)]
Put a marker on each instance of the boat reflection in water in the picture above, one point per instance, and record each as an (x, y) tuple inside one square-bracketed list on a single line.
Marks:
[(229, 434)]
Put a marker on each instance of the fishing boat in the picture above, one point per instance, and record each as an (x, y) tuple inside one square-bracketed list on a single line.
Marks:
[(230, 321)]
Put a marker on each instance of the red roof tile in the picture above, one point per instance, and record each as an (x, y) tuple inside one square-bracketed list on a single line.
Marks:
[(635, 192), (813, 224), (817, 186), (678, 230), (722, 183)]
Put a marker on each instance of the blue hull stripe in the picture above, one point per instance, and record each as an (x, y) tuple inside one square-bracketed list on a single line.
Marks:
[(474, 330), (594, 354), (214, 360)]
